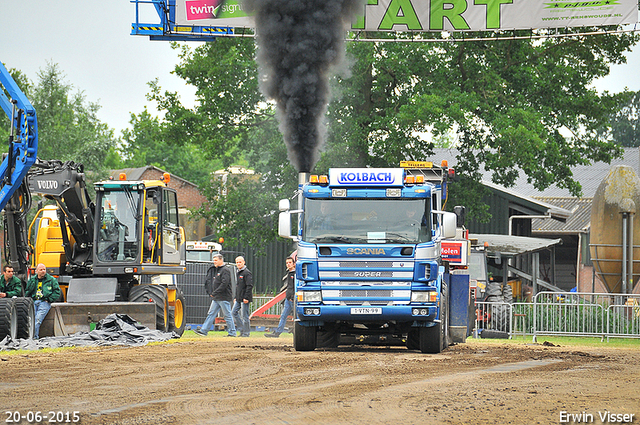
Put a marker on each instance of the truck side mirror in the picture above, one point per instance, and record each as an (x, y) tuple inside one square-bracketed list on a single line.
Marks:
[(284, 222), (449, 220), (284, 205)]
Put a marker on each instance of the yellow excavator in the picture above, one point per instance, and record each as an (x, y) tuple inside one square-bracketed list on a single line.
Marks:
[(98, 250)]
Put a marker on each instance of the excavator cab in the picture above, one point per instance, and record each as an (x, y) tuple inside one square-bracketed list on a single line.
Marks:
[(137, 229)]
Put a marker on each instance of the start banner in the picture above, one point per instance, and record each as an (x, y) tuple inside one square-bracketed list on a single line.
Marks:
[(438, 15)]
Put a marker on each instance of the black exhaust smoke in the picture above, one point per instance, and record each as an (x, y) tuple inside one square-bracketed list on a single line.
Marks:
[(299, 41)]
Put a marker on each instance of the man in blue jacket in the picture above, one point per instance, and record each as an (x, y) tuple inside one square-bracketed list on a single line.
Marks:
[(218, 287)]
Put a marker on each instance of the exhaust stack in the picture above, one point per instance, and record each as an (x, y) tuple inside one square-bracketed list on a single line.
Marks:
[(303, 178)]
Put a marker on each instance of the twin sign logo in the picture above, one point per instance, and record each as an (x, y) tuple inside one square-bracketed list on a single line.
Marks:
[(202, 9)]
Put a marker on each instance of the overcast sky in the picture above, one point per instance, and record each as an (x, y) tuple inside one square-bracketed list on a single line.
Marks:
[(90, 40)]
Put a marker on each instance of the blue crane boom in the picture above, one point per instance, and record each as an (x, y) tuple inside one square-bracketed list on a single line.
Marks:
[(23, 138), (167, 30)]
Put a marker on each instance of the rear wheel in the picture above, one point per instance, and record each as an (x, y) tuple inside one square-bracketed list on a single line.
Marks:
[(176, 317), (304, 337), (8, 319), (26, 318), (156, 294)]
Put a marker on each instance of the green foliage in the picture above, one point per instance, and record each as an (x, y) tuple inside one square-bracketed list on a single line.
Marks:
[(509, 107), (147, 143), (238, 207), (625, 122), (68, 128)]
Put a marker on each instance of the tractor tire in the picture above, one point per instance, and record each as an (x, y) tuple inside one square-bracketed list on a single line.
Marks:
[(499, 314), (327, 339), (156, 294), (493, 289), (26, 318), (493, 334), (176, 317), (304, 337), (507, 294), (8, 319)]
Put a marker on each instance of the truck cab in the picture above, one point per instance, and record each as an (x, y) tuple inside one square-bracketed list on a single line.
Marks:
[(369, 258)]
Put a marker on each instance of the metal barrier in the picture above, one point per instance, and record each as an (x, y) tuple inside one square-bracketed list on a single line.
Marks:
[(275, 310), (493, 319), (564, 314)]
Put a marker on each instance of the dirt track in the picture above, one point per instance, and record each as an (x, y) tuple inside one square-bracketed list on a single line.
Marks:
[(259, 380)]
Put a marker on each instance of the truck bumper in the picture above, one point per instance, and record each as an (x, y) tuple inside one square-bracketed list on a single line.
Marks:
[(365, 314)]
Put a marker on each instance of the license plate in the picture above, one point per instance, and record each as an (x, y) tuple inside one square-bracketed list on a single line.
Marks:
[(366, 310)]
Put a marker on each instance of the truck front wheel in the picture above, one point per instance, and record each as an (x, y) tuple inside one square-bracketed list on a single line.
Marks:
[(304, 337), (430, 339)]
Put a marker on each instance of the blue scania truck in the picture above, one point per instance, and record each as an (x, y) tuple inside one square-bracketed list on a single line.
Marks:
[(378, 260)]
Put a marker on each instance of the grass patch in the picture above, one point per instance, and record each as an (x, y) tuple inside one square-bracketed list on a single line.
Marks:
[(565, 341)]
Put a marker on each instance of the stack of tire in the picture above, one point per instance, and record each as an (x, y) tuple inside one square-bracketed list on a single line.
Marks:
[(496, 293), (17, 318)]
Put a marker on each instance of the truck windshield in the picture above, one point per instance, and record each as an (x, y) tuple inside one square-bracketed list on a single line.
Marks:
[(366, 221), (118, 231)]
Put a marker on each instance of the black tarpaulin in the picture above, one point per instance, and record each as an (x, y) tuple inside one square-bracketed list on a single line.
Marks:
[(115, 329)]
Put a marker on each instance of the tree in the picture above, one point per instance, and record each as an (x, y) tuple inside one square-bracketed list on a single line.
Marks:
[(511, 105), (625, 126), (68, 127), (231, 124), (147, 144)]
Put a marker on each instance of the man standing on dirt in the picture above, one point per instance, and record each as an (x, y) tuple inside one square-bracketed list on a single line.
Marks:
[(244, 296), (290, 285), (218, 286), (44, 290), (10, 285)]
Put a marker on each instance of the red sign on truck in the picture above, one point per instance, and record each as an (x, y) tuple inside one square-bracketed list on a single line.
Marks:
[(451, 251)]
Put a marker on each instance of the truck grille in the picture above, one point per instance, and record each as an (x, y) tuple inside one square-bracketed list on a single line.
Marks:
[(366, 264), (373, 293)]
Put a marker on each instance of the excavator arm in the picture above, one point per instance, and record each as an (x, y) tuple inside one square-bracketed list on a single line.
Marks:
[(65, 183)]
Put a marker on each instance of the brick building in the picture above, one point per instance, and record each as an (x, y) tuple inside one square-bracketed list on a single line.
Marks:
[(188, 197)]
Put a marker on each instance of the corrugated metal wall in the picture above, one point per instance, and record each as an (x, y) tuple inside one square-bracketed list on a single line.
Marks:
[(267, 269), (499, 222)]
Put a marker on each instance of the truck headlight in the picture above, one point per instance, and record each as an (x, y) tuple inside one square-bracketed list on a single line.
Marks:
[(309, 296), (424, 296)]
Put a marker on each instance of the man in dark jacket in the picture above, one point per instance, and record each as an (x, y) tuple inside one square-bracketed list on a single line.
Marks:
[(10, 285), (218, 286), (44, 290), (289, 280), (244, 296)]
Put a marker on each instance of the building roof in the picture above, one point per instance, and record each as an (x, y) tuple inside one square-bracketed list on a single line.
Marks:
[(511, 246), (536, 204), (589, 176), (578, 222), (137, 173)]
